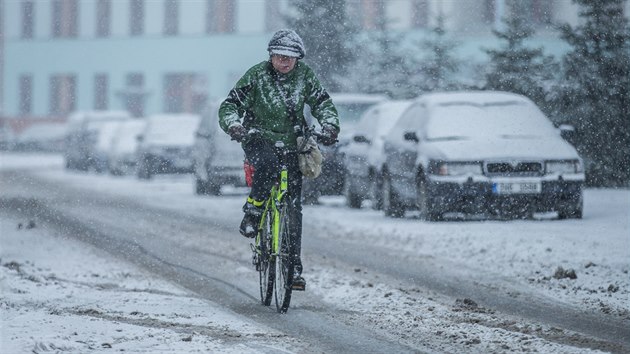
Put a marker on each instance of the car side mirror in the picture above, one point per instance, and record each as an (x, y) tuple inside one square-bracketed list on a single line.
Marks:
[(567, 132), (411, 136), (361, 139)]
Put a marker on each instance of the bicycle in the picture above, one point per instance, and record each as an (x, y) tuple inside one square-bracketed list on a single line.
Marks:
[(272, 249)]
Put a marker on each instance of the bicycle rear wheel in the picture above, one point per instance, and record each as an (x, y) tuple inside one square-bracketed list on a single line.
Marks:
[(266, 263), (284, 263)]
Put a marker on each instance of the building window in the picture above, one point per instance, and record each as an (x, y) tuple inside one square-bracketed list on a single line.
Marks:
[(136, 17), (26, 94), (134, 95), (420, 14), (28, 19), (103, 17), (62, 94), (220, 16), (65, 18), (171, 17), (185, 92), (101, 88)]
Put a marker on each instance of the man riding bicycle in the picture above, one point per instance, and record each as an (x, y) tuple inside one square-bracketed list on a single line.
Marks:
[(270, 99)]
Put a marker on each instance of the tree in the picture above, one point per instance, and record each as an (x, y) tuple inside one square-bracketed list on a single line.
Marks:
[(439, 66), (514, 67), (594, 94), (382, 65), (327, 35)]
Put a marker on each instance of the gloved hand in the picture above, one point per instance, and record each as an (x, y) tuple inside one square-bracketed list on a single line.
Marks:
[(329, 135), (237, 132)]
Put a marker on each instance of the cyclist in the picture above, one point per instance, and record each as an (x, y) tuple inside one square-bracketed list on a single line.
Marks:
[(270, 98)]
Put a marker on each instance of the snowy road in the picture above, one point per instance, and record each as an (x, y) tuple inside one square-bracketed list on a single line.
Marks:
[(374, 284)]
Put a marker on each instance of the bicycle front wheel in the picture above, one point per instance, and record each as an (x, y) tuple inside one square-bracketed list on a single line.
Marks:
[(284, 263), (266, 263)]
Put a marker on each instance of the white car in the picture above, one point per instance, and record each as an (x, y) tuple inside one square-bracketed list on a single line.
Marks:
[(123, 152), (480, 152), (364, 154), (350, 107), (218, 159), (81, 138), (166, 144)]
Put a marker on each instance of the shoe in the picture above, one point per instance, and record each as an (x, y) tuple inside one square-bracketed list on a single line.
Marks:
[(250, 222), (299, 284)]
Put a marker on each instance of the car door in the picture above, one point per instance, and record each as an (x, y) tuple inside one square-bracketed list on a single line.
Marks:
[(402, 146)]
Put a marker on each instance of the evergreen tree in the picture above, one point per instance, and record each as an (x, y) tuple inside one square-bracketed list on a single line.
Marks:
[(594, 94), (439, 66), (514, 67), (327, 35), (381, 65)]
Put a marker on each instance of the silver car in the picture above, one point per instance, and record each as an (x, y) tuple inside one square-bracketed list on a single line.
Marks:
[(218, 160), (483, 152), (83, 136), (364, 154), (122, 156), (166, 144), (350, 107)]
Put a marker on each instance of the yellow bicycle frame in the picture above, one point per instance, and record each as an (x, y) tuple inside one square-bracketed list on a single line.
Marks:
[(275, 198)]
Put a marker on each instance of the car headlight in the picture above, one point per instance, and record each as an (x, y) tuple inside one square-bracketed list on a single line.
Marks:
[(444, 168), (563, 166)]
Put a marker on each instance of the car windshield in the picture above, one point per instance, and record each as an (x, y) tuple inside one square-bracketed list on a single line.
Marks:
[(473, 121), (351, 112)]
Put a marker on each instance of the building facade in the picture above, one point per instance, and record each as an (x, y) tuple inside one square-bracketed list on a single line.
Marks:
[(149, 56)]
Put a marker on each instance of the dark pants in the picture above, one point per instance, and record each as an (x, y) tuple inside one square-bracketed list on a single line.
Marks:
[(264, 157)]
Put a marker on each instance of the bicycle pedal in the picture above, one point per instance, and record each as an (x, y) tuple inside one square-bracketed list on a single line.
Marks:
[(298, 287)]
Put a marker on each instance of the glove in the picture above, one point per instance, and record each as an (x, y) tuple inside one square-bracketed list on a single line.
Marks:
[(237, 132), (329, 135)]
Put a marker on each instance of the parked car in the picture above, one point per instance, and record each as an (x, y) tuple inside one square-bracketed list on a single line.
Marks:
[(166, 144), (479, 152), (364, 154), (7, 137), (218, 160), (81, 137), (102, 133), (350, 107), (42, 137), (121, 157)]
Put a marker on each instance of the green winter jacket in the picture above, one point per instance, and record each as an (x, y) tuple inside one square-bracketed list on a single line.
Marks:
[(259, 100)]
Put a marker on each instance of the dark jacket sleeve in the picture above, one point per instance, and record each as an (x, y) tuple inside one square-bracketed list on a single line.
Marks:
[(322, 107)]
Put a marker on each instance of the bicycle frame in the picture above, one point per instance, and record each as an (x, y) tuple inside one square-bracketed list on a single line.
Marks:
[(275, 202)]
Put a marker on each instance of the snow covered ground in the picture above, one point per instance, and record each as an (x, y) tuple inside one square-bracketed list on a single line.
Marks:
[(47, 291)]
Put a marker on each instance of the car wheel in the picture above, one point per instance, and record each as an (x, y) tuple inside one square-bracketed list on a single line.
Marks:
[(310, 193), (574, 212), (143, 169), (422, 199), (391, 205), (376, 191), (201, 187), (352, 199)]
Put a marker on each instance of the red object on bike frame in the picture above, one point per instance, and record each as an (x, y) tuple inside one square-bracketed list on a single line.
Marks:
[(249, 172)]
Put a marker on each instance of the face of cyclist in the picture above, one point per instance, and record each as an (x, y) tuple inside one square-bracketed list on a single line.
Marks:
[(283, 63)]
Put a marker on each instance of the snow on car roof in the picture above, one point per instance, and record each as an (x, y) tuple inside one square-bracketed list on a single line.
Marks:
[(480, 98), (484, 114), (97, 115), (339, 97)]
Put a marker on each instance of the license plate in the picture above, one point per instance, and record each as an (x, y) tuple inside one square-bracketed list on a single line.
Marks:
[(516, 187)]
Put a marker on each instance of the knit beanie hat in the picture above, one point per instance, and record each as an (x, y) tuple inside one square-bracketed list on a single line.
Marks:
[(286, 42)]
